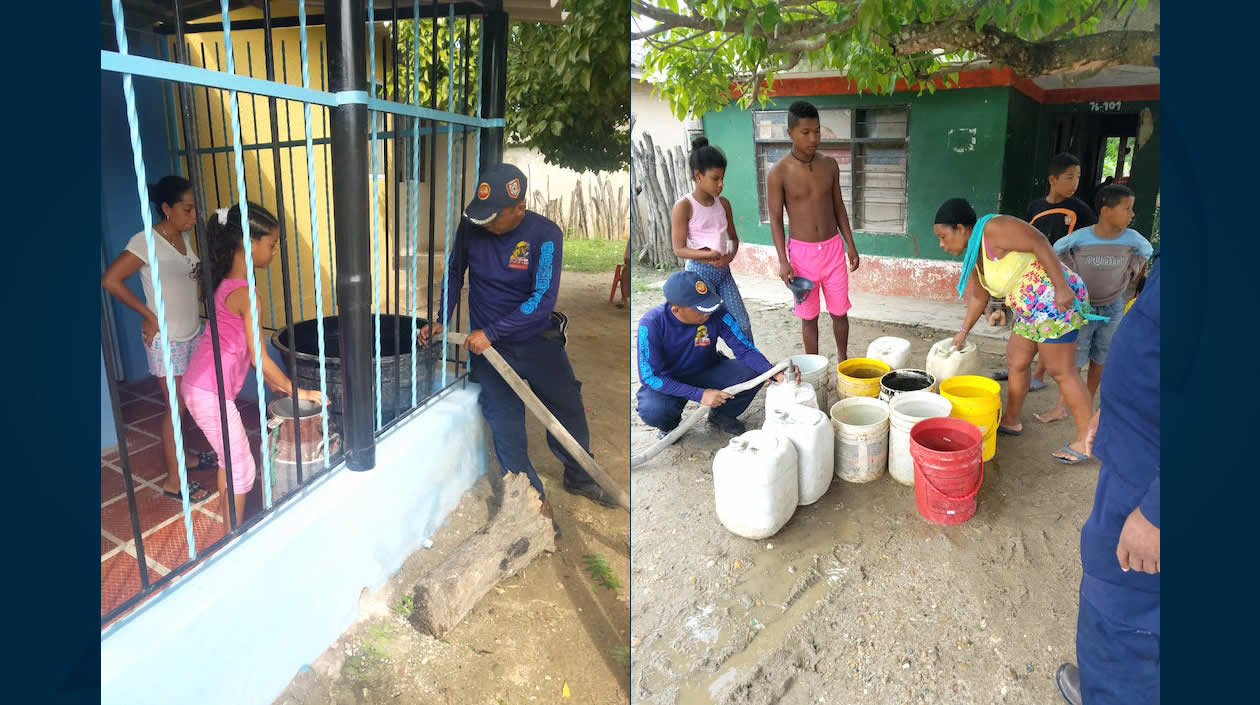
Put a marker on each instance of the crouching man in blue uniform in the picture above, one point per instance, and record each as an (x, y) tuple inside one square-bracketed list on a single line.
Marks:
[(513, 259), (679, 361), (1117, 628)]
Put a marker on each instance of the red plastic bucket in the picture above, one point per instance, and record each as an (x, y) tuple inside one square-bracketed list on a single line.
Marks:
[(948, 469)]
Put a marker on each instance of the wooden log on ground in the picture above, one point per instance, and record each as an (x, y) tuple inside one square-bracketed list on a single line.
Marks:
[(543, 414), (499, 550)]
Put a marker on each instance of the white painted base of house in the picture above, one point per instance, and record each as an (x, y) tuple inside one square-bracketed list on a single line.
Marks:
[(241, 625), (934, 280)]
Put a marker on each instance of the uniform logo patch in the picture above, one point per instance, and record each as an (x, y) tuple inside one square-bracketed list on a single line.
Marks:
[(514, 188), (701, 288), (520, 256), (483, 191), (702, 336)]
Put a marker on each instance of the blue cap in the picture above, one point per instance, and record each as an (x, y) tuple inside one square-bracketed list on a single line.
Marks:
[(501, 185), (688, 289)]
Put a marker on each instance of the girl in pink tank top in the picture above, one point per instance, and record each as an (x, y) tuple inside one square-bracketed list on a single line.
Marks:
[(236, 333), (703, 231)]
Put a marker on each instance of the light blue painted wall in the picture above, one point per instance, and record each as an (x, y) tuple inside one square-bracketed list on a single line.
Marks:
[(109, 433), (239, 627)]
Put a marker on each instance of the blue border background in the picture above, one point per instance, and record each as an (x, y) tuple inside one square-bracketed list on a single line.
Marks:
[(50, 353), (1208, 234), (52, 187)]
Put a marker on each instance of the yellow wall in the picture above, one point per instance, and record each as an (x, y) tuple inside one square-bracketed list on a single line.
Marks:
[(218, 170)]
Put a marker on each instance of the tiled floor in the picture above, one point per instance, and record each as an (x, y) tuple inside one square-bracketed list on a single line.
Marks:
[(162, 527)]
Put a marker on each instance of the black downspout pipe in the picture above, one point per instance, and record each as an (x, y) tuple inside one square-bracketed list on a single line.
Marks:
[(347, 71), (494, 85)]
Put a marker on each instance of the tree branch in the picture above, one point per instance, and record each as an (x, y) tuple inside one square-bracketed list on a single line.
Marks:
[(784, 34), (714, 53), (660, 46), (654, 30), (671, 19), (1042, 58), (800, 34)]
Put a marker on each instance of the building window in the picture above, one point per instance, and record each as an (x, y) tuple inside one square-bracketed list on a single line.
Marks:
[(870, 146)]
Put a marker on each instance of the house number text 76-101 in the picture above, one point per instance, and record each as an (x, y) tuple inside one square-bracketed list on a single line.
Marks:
[(1109, 106)]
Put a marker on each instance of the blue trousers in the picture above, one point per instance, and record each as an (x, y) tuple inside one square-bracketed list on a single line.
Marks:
[(543, 364), (722, 281), (664, 411), (1119, 664)]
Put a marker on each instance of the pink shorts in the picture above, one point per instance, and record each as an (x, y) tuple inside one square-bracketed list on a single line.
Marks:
[(825, 264), (204, 408)]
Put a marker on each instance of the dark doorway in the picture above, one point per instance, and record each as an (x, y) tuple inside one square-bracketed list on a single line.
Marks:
[(1088, 136)]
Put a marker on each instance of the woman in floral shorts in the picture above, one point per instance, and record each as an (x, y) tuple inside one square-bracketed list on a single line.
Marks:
[(1008, 258)]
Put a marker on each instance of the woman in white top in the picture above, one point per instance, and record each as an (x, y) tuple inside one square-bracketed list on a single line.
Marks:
[(180, 270)]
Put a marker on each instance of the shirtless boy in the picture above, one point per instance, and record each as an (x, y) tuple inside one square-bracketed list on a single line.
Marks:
[(807, 184)]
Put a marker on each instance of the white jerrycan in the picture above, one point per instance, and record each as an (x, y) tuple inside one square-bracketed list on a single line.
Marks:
[(811, 435), (755, 484)]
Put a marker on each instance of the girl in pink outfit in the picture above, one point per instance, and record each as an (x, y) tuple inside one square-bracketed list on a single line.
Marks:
[(704, 230), (237, 331)]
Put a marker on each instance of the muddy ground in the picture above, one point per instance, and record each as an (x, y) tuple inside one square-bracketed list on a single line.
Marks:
[(551, 626), (857, 599)]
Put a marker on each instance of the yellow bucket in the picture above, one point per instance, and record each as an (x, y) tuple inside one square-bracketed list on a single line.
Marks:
[(978, 401), (859, 377)]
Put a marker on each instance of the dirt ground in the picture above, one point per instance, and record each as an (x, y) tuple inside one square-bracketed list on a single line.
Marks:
[(551, 626), (857, 599)]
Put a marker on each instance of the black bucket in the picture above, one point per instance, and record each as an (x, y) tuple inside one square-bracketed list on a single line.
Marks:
[(395, 373), (902, 381)]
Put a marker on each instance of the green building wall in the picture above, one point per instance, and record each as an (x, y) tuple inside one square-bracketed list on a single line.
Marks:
[(1001, 170)]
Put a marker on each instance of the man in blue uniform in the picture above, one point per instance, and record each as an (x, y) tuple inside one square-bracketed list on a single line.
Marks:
[(679, 361), (513, 259), (1117, 628)]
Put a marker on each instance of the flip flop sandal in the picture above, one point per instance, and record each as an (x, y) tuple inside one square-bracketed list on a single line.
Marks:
[(1036, 385), (1009, 431), (206, 460), (1068, 681), (193, 497), (1001, 376), (1077, 458)]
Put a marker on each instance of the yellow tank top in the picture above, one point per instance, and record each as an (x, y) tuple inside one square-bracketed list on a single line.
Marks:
[(1000, 276)]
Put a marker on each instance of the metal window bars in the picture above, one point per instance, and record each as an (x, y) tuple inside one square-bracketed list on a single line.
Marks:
[(351, 260)]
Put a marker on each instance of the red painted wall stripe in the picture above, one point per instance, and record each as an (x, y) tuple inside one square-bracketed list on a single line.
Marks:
[(981, 78)]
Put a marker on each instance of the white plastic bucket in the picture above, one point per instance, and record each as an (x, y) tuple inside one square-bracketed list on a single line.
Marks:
[(861, 426), (812, 436), (814, 369), (906, 410), (755, 484)]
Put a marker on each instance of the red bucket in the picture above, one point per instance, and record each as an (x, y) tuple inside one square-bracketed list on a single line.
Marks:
[(948, 469)]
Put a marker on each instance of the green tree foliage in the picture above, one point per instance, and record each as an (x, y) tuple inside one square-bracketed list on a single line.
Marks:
[(568, 88), (698, 48)]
